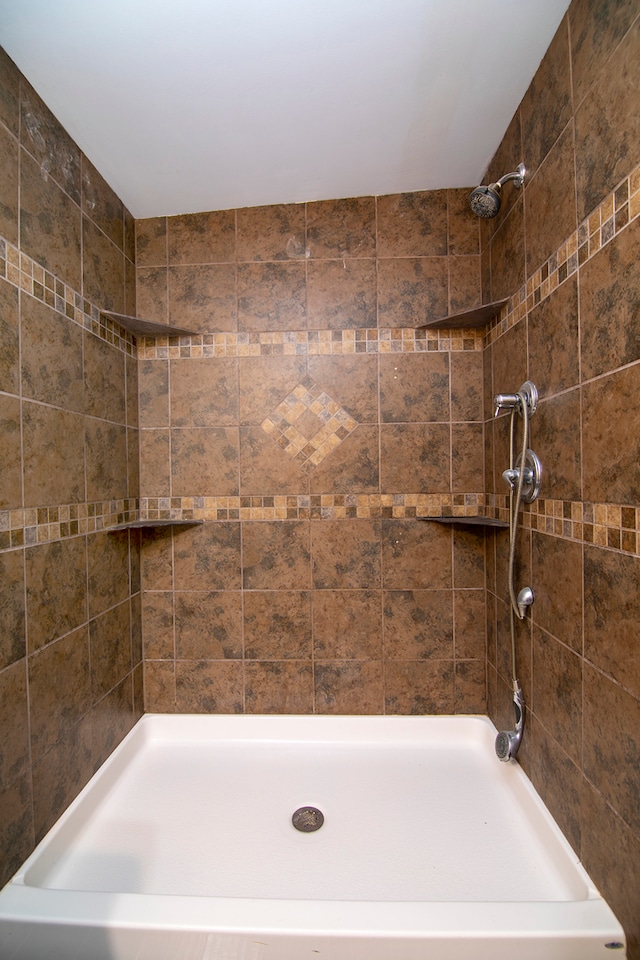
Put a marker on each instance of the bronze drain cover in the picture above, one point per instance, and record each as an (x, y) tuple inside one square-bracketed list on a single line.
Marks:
[(307, 819)]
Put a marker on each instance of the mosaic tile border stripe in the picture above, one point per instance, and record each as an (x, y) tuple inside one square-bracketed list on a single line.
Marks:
[(311, 343), (313, 507), (615, 526), (620, 208), (612, 525), (34, 525), (29, 276)]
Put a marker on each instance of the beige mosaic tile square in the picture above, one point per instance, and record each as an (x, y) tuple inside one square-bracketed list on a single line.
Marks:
[(308, 424)]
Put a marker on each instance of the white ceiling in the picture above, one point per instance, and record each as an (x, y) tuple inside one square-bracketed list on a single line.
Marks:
[(189, 105)]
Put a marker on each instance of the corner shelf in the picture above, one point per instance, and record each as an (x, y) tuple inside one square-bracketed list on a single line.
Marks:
[(151, 524), (468, 521), (478, 317), (146, 328)]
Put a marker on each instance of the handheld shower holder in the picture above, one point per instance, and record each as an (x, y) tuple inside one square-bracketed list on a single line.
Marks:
[(528, 393)]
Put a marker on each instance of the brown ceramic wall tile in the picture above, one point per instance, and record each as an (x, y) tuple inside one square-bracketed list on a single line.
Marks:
[(611, 614), (468, 558), (264, 382), (265, 466), (415, 457), (102, 269), (155, 463), (204, 393), (202, 237), (464, 227), (111, 720), (557, 577), (160, 686), (557, 691), (508, 253), (278, 687), (611, 754), (341, 294), (108, 570), (553, 340), (610, 305), (418, 625), (12, 608), (413, 224), (346, 554), (207, 557), (610, 420), (9, 93), (470, 624), (276, 555), (154, 393), (607, 131), (341, 228), (157, 620), (202, 298), (352, 467), (50, 227), (349, 687), (151, 242), (465, 284), (110, 648), (556, 440), (208, 626), (466, 372), (101, 205), (467, 457), (55, 605), (204, 459), (277, 625), (550, 202), (152, 294), (10, 476), (415, 555), (509, 362), (547, 105), (419, 687), (412, 291), (470, 687), (59, 690), (272, 296), (104, 379), (53, 455), (9, 186), (48, 142), (347, 624), (208, 686), (60, 775), (271, 233), (509, 154), (597, 26), (611, 851), (156, 560), (414, 387), (557, 779), (14, 722), (106, 460), (9, 339), (16, 826)]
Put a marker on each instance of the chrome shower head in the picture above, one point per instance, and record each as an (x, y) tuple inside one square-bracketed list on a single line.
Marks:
[(485, 201)]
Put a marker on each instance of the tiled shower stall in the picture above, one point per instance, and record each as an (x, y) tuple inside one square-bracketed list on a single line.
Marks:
[(311, 426)]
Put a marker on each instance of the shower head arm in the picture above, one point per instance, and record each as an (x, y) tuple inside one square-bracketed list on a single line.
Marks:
[(517, 176)]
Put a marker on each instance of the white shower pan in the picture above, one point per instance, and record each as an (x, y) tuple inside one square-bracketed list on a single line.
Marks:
[(182, 847)]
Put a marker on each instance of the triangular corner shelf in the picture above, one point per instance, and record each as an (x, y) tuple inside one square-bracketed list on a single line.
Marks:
[(146, 328), (478, 317)]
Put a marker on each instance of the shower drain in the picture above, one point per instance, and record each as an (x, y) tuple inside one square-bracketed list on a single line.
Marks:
[(307, 819)]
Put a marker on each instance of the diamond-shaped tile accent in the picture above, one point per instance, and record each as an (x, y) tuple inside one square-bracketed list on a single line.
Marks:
[(308, 397)]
